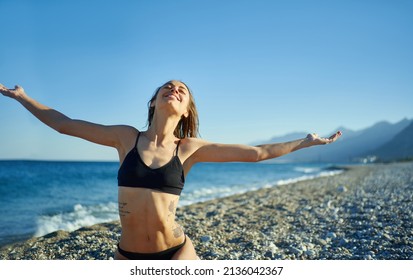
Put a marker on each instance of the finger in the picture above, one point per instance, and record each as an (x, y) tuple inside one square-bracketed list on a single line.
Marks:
[(335, 136), (3, 89), (338, 134)]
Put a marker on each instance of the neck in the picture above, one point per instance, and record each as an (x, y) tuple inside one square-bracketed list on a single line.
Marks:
[(162, 128)]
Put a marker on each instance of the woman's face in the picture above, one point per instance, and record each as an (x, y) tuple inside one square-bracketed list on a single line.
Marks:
[(175, 94)]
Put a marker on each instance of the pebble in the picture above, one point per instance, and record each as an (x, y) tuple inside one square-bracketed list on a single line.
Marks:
[(295, 251), (310, 253), (370, 219), (387, 236), (341, 189), (206, 238), (331, 235)]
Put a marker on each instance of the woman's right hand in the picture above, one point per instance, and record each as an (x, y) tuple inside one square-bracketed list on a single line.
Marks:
[(15, 93)]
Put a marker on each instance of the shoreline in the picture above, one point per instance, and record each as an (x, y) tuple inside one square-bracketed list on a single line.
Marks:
[(366, 212)]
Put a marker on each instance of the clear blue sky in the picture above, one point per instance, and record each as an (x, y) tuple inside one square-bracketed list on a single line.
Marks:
[(257, 68)]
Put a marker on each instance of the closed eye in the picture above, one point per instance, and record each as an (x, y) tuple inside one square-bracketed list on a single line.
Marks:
[(181, 89)]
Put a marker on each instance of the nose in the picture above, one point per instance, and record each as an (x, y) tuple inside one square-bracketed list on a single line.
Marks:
[(174, 89)]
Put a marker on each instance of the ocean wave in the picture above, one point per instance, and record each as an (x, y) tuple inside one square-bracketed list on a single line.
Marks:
[(306, 170), (204, 194), (308, 177), (80, 216)]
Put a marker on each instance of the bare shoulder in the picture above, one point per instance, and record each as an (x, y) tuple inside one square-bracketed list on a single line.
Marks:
[(127, 136), (126, 130), (191, 144), (189, 147), (187, 150)]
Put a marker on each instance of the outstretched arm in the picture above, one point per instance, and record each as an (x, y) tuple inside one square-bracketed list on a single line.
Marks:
[(276, 150), (100, 134), (212, 152)]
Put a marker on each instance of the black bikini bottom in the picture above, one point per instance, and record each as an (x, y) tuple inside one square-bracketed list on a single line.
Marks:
[(163, 255)]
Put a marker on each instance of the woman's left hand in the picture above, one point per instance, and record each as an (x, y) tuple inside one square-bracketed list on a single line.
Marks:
[(313, 139)]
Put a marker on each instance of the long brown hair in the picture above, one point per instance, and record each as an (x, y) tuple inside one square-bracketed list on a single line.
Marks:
[(187, 126)]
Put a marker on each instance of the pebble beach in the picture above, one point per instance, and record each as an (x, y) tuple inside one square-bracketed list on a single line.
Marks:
[(366, 212)]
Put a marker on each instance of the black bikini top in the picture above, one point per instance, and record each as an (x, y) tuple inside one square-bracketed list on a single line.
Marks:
[(134, 173)]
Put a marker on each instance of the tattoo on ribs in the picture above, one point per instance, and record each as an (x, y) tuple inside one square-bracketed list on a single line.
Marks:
[(122, 211), (171, 207), (178, 232)]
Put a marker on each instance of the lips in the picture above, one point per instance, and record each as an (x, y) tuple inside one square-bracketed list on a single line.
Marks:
[(172, 95)]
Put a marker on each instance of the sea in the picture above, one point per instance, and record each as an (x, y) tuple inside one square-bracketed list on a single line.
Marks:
[(39, 197)]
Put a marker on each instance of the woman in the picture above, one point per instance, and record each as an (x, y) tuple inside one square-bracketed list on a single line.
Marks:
[(154, 163)]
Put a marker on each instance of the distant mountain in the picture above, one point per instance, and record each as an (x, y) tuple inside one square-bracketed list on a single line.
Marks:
[(350, 147), (400, 147)]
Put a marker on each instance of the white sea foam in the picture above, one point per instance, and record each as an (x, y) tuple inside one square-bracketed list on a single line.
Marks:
[(308, 177), (79, 217), (307, 170)]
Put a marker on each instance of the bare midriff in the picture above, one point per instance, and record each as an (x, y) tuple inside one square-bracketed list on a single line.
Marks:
[(148, 220)]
